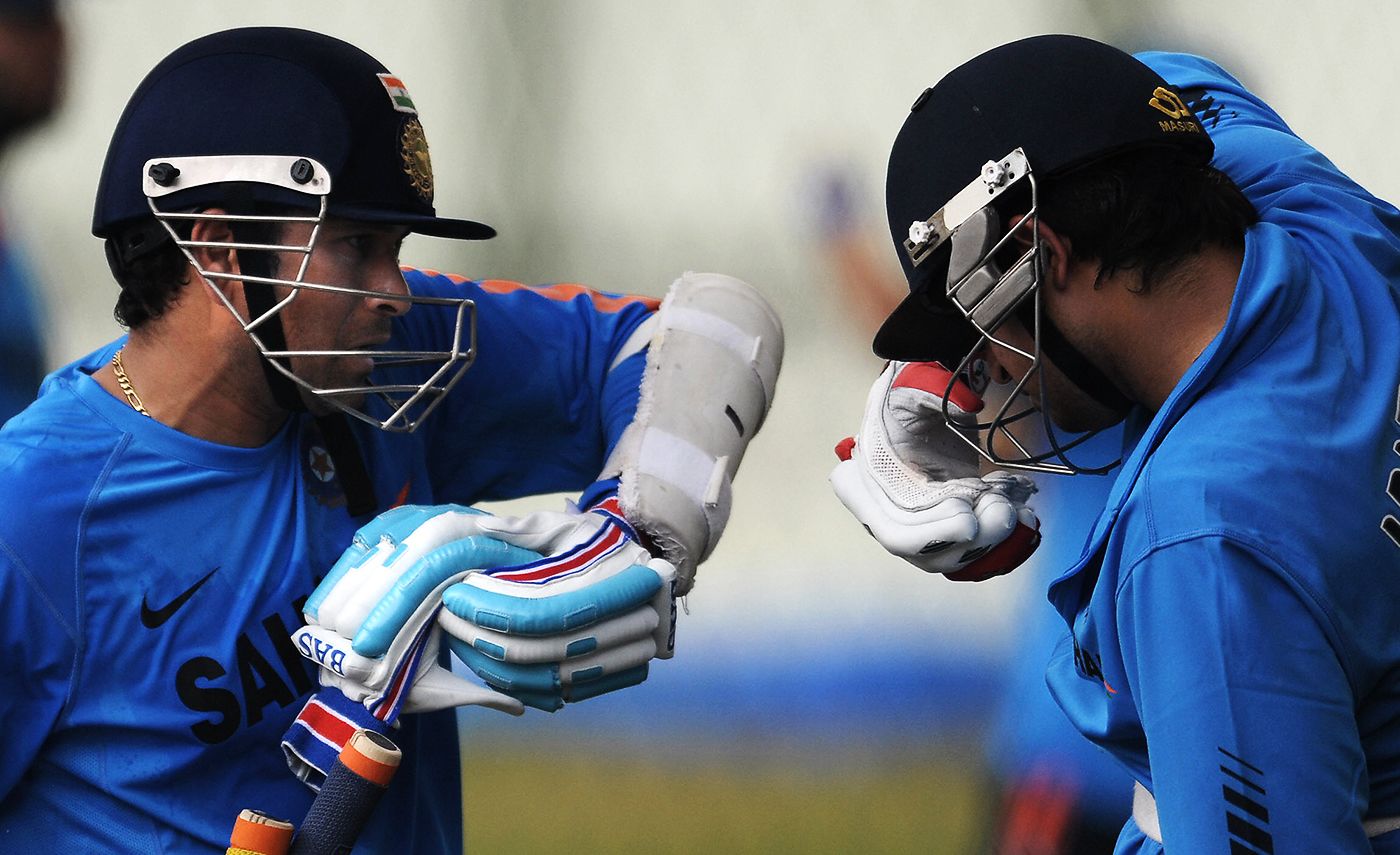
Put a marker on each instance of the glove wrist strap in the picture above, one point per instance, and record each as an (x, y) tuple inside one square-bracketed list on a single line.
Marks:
[(598, 493), (601, 498), (320, 731)]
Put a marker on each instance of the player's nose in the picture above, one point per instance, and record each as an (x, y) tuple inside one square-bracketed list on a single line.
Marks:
[(993, 357), (388, 290)]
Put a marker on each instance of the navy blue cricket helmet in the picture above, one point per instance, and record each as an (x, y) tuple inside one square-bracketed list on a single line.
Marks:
[(263, 91), (285, 125), (1065, 101)]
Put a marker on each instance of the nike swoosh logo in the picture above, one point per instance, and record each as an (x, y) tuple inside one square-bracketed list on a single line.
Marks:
[(152, 618)]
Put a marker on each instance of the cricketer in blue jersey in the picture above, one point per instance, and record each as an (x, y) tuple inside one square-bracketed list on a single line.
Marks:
[(1172, 256), (178, 494)]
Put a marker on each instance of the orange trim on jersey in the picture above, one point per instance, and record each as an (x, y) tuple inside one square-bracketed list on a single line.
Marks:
[(428, 271), (562, 292)]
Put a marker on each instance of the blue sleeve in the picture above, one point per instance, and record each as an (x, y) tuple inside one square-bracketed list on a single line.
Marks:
[(1245, 702), (38, 650), (555, 381)]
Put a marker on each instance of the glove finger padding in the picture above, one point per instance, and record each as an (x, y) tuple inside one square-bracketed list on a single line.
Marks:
[(380, 553), (521, 609), (371, 623), (423, 584), (554, 676), (1002, 542), (638, 623), (1019, 543), (581, 622), (583, 642), (553, 701), (1003, 557)]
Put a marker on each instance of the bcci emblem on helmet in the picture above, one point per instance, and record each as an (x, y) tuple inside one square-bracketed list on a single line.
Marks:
[(416, 163), (413, 142)]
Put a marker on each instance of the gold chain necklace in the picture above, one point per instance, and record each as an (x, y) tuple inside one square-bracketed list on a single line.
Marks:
[(131, 397)]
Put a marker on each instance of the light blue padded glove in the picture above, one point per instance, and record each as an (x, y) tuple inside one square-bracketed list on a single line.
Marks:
[(547, 608), (369, 673), (584, 620)]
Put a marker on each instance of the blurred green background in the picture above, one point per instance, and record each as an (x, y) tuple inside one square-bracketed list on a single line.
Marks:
[(606, 796)]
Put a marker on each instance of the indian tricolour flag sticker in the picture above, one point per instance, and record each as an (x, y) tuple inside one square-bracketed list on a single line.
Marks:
[(398, 93)]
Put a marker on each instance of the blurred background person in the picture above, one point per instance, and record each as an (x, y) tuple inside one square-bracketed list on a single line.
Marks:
[(32, 63)]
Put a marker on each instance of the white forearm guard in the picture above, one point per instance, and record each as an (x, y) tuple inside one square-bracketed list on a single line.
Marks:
[(710, 373)]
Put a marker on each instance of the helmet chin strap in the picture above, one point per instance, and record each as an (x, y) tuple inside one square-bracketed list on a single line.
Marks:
[(341, 444), (1078, 369)]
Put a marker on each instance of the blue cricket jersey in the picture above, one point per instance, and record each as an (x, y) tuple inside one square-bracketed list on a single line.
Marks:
[(149, 580), (1235, 615)]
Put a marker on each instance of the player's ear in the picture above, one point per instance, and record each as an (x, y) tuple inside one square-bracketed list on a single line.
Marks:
[(1057, 256), (1055, 248), (214, 258)]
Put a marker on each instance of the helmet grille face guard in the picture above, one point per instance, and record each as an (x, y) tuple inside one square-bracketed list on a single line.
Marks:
[(986, 295), (405, 403), (1012, 99)]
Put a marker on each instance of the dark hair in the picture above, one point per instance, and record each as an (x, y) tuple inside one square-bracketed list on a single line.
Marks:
[(152, 270), (1147, 210)]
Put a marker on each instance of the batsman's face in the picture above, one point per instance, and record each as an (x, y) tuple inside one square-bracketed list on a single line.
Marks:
[(1069, 407), (1062, 286), (363, 258)]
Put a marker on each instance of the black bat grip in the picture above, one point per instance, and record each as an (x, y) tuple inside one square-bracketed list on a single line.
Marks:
[(348, 797)]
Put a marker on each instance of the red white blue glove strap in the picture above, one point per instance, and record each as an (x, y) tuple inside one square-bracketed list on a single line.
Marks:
[(320, 731)]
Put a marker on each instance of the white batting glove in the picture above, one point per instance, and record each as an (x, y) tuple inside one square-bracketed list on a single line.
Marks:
[(382, 574), (584, 620), (913, 484), (372, 629)]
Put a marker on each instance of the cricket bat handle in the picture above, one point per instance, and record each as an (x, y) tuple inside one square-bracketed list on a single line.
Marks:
[(256, 833), (347, 798)]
